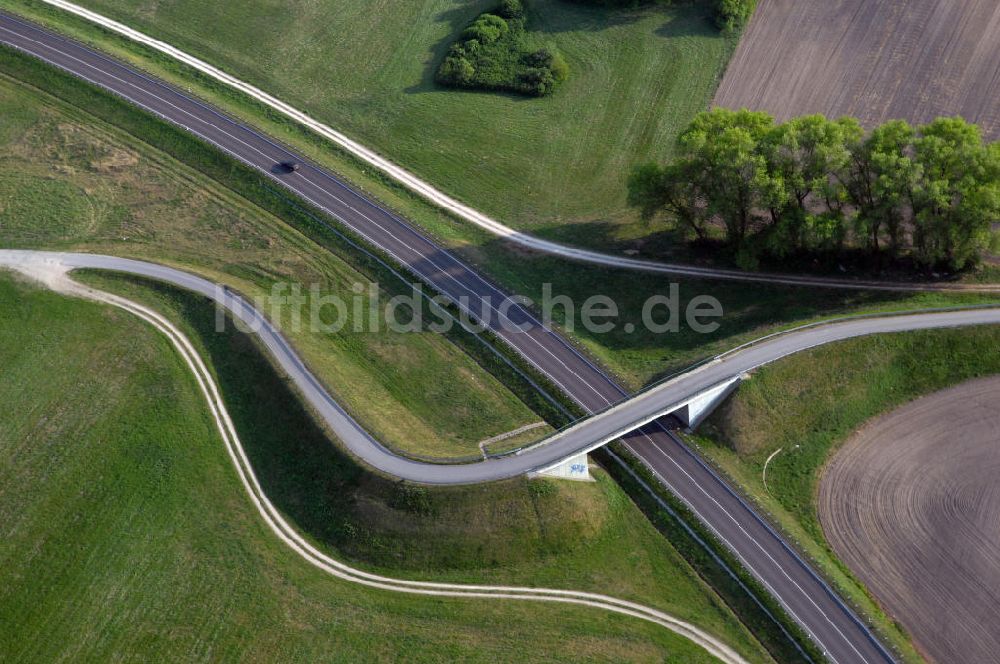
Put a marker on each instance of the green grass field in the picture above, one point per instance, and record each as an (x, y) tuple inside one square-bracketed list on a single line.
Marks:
[(207, 227), (97, 188), (366, 68), (127, 534), (140, 202), (807, 414), (68, 182)]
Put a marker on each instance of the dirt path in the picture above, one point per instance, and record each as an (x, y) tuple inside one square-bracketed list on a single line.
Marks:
[(912, 504), (874, 59)]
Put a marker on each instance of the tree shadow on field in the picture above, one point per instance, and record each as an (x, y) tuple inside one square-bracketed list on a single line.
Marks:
[(555, 16), (680, 19), (689, 20), (459, 17)]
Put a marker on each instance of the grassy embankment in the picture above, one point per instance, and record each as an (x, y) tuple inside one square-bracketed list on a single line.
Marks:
[(636, 363), (636, 358), (128, 535), (69, 182), (807, 413)]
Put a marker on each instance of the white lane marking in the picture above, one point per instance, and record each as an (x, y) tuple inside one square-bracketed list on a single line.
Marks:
[(394, 171), (313, 184), (750, 537), (367, 237), (469, 271), (500, 331), (423, 257), (359, 212), (318, 188), (728, 544), (784, 546)]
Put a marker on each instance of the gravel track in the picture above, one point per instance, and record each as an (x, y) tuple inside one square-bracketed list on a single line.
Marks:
[(912, 505)]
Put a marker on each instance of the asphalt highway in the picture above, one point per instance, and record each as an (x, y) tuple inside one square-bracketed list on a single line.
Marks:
[(822, 614)]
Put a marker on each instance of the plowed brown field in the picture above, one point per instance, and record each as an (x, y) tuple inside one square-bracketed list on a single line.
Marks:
[(912, 505), (873, 59)]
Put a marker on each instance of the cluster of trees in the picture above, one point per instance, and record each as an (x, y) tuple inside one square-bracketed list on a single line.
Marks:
[(732, 15), (491, 55), (925, 196)]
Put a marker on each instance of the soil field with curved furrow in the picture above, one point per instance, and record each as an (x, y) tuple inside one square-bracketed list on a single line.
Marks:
[(912, 505), (873, 59)]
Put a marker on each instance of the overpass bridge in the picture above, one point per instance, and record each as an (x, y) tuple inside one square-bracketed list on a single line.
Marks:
[(634, 413), (342, 208)]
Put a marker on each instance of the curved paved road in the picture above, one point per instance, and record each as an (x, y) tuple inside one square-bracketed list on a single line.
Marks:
[(59, 281), (830, 623)]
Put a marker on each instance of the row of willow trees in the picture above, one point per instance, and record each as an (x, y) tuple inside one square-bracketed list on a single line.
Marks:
[(924, 196)]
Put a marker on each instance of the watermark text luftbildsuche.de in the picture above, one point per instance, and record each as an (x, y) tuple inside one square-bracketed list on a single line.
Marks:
[(366, 308)]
